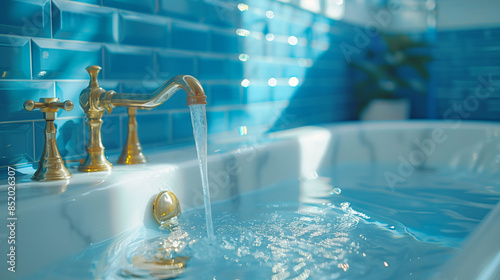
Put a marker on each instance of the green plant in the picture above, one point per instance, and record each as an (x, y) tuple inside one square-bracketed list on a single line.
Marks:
[(393, 65)]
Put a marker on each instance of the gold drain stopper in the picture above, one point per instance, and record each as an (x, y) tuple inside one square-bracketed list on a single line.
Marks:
[(165, 207)]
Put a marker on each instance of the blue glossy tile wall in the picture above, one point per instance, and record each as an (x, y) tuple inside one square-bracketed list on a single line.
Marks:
[(467, 74), (45, 46), (16, 50)]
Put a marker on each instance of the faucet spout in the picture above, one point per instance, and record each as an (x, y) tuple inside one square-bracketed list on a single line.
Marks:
[(94, 101), (193, 88)]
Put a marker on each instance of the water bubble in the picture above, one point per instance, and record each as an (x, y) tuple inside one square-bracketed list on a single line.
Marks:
[(344, 205), (335, 191)]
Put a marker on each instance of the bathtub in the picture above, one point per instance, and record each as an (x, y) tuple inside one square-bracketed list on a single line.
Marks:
[(57, 221)]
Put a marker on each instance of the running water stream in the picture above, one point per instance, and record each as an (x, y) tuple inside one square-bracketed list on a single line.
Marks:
[(199, 121)]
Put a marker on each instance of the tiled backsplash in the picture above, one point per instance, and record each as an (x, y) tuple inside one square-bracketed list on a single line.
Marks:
[(467, 74), (272, 69)]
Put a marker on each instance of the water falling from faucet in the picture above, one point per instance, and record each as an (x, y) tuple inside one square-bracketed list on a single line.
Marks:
[(199, 121)]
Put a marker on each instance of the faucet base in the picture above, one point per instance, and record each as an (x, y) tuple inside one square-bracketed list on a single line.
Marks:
[(95, 163), (95, 168), (51, 169), (51, 166), (129, 157), (132, 152)]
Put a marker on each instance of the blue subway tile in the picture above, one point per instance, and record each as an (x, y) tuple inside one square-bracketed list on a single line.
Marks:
[(136, 29), (193, 37), (25, 18), (147, 6), (14, 58), (280, 49), (82, 22), (217, 121), (93, 2), (335, 69), (254, 22), (319, 36), (299, 30), (223, 95), (70, 138), (461, 56), (219, 68), (16, 143), (181, 126), (172, 64), (251, 117), (110, 133), (14, 94), (239, 118), (63, 60), (254, 46), (256, 93), (145, 87), (278, 27), (128, 63), (261, 70), (110, 85), (178, 101), (221, 13), (303, 16), (283, 92), (185, 9), (225, 42), (152, 129), (263, 4), (295, 71), (299, 52)]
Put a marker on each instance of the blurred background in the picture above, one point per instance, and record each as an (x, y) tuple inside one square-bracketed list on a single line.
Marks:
[(266, 65)]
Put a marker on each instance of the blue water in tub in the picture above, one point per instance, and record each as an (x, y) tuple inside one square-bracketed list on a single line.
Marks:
[(342, 222)]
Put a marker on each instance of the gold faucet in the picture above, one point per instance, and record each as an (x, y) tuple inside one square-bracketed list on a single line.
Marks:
[(94, 100), (51, 166)]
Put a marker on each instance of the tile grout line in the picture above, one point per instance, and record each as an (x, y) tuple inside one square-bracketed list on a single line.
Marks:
[(31, 58), (51, 24), (102, 62), (120, 127), (170, 127), (34, 152)]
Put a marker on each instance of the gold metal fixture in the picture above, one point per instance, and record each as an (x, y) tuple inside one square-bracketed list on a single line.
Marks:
[(51, 166), (132, 152), (157, 268), (90, 101), (165, 206), (189, 84), (94, 100)]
